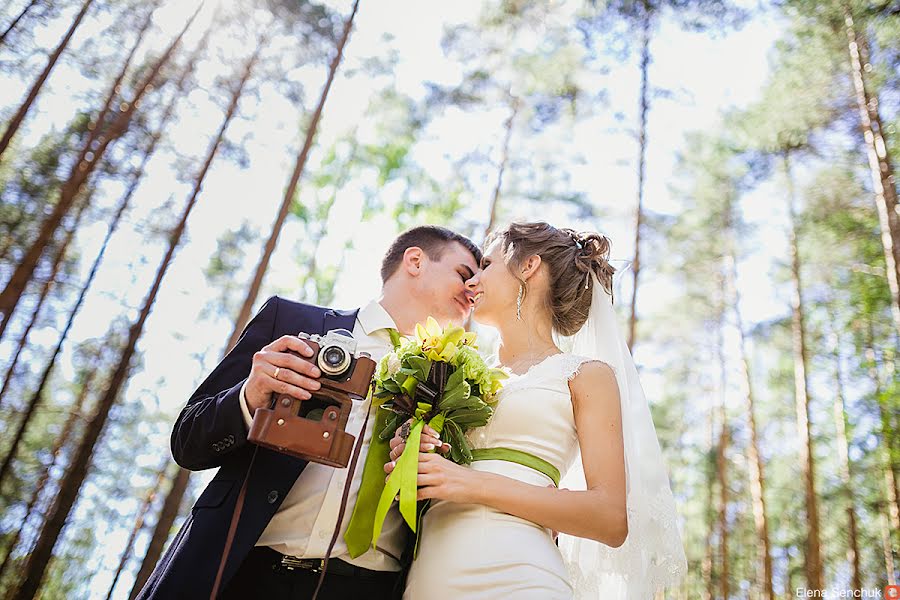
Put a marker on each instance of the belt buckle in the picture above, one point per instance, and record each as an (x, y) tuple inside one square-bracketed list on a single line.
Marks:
[(308, 564)]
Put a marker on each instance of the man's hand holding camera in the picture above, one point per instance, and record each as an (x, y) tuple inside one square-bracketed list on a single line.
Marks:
[(276, 370)]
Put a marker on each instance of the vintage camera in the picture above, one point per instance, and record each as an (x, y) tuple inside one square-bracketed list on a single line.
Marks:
[(314, 429)]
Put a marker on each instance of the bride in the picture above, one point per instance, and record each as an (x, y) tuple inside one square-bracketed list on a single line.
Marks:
[(490, 531)]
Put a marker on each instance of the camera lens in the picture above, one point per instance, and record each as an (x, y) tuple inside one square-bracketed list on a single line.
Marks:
[(333, 360)]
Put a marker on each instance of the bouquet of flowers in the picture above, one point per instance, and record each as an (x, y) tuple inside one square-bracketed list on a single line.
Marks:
[(439, 379)]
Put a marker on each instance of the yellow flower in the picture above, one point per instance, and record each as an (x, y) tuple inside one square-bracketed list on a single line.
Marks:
[(439, 344)]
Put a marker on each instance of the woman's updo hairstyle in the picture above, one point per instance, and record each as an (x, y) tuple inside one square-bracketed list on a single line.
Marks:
[(570, 257)]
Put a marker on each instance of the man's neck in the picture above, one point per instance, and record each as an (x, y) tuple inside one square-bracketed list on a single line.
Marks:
[(398, 309)]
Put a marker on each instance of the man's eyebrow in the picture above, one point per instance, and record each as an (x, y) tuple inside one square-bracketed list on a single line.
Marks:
[(469, 271)]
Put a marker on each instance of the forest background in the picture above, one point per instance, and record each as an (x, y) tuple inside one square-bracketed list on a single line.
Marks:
[(166, 167)]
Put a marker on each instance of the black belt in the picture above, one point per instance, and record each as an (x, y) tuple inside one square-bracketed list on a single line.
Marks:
[(336, 566)]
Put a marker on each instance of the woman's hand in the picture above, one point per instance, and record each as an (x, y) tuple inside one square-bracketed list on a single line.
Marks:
[(443, 479), (431, 440)]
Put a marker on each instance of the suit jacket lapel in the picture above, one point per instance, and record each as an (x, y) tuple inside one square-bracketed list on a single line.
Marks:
[(339, 319)]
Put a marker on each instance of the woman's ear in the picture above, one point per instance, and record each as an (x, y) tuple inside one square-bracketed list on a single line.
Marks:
[(530, 266), (413, 258)]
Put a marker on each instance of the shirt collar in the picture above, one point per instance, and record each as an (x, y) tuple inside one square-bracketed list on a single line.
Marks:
[(373, 317)]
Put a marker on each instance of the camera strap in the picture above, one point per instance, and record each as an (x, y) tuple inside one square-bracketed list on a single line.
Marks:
[(351, 469), (232, 528)]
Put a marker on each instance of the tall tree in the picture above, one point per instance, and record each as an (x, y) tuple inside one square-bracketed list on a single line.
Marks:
[(878, 153), (48, 284), (642, 18), (76, 414), (16, 121), (138, 526), (814, 567), (843, 447), (78, 176), (262, 266), (23, 12), (135, 179), (75, 476), (162, 529), (716, 177)]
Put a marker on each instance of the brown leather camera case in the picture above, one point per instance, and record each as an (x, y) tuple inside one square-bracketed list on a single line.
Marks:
[(280, 428)]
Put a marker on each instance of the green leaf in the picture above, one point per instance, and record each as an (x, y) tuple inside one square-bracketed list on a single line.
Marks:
[(393, 422), (395, 337), (456, 398), (422, 366), (455, 379), (471, 417)]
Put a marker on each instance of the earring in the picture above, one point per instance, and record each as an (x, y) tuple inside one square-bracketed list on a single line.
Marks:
[(519, 301)]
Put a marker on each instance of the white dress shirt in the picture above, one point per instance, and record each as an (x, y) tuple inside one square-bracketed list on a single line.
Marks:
[(304, 523)]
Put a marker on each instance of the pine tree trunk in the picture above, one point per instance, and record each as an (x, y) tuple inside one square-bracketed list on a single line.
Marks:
[(504, 161), (55, 264), (754, 459), (642, 165), (138, 526), (813, 554), (42, 297), (16, 121), (891, 516), (167, 515), (843, 447), (12, 293), (77, 472), (706, 574), (12, 25), (263, 265), (724, 442), (708, 589), (97, 129), (880, 167), (125, 201), (32, 405), (61, 441)]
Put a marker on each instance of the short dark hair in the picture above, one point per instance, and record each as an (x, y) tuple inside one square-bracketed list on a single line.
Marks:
[(432, 239)]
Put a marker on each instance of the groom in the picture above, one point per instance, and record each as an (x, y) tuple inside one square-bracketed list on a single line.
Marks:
[(291, 506)]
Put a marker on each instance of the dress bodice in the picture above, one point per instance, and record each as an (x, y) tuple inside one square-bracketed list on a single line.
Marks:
[(533, 413)]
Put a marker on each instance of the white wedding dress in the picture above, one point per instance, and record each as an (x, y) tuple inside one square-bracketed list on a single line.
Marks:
[(471, 551)]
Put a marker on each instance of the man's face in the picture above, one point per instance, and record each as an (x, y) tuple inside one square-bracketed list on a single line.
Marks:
[(443, 284)]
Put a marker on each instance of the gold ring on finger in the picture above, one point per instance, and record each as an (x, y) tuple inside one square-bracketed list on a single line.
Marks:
[(277, 371)]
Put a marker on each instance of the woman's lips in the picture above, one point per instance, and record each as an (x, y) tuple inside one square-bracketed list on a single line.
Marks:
[(477, 298)]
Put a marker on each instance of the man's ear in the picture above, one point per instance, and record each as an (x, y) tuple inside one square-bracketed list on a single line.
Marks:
[(413, 260), (530, 266)]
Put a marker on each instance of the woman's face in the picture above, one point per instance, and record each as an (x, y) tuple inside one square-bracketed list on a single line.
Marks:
[(495, 288)]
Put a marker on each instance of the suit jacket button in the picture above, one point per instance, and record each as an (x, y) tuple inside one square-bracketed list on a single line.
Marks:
[(272, 497)]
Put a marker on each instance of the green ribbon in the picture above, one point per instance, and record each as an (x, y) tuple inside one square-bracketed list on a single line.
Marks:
[(518, 457), (359, 530), (403, 479)]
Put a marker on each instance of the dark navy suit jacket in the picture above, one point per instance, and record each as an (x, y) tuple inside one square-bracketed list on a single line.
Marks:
[(210, 432)]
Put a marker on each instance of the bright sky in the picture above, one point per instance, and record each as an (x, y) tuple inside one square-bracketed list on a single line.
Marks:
[(705, 74)]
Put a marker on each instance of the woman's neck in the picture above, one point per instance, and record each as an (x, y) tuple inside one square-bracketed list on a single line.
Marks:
[(524, 343)]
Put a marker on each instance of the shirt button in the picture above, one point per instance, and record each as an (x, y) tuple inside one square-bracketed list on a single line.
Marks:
[(272, 497)]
